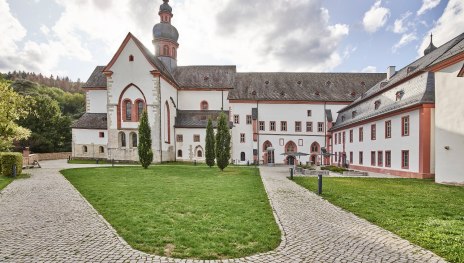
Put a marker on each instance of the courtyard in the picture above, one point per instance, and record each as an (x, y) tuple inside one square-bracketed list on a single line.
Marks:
[(45, 218)]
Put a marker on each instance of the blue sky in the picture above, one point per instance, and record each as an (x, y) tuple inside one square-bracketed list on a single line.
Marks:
[(71, 37)]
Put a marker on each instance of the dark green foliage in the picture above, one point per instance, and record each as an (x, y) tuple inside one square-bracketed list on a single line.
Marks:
[(209, 145), (334, 169), (144, 148), (50, 129), (7, 160), (223, 142)]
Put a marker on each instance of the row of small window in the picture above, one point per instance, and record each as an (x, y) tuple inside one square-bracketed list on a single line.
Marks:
[(405, 128), (283, 126), (377, 103), (85, 149), (249, 118), (180, 138), (128, 109), (199, 153), (132, 139), (379, 159)]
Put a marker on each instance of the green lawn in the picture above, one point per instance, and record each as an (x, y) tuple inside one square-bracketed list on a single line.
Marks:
[(427, 214), (5, 181), (183, 211)]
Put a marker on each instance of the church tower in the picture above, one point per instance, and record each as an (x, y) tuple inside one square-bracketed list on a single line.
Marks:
[(165, 37)]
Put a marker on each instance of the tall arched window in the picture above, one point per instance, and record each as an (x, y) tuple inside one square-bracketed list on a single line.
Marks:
[(166, 50), (101, 149), (122, 139), (84, 149), (128, 110), (200, 154), (167, 123), (133, 137), (174, 52), (242, 156), (140, 108), (290, 147), (179, 153), (204, 105)]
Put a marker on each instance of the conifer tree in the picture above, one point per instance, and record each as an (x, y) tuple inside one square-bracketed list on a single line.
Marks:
[(223, 142), (209, 145), (144, 148)]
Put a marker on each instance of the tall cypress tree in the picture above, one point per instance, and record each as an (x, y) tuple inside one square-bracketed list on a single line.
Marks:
[(144, 148), (209, 145), (223, 142)]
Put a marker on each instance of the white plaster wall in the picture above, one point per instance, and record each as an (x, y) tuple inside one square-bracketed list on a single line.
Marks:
[(83, 136), (278, 112), (97, 101), (191, 100), (395, 144), (449, 125), (188, 146), (168, 92)]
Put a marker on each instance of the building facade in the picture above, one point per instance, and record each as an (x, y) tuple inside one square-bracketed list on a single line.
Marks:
[(270, 114)]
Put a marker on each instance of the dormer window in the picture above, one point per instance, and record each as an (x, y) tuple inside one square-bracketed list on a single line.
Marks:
[(204, 105), (399, 95), (343, 118), (131, 58), (353, 114), (377, 104)]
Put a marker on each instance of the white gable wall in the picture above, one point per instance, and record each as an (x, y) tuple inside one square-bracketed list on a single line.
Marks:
[(449, 125), (96, 101)]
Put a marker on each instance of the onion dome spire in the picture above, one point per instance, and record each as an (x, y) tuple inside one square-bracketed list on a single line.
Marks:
[(431, 47)]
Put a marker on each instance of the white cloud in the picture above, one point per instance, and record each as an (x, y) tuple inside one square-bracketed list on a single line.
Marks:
[(399, 26), (290, 36), (448, 26), (427, 5), (12, 32), (376, 17), (369, 69), (405, 39)]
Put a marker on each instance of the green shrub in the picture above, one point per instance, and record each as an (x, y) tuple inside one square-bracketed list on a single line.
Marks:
[(7, 160), (334, 169)]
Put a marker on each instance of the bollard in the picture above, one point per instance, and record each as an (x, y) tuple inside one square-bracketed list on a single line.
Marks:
[(319, 184), (291, 173), (195, 162), (248, 163), (14, 171), (97, 161)]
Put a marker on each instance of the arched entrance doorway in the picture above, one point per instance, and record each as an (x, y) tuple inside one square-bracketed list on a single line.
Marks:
[(315, 151), (268, 156), (290, 148)]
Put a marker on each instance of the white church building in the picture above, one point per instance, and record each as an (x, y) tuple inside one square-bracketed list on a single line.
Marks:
[(273, 113)]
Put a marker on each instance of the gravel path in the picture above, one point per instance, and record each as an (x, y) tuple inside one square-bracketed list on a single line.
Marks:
[(44, 219)]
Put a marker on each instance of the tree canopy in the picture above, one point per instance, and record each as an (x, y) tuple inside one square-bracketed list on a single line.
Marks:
[(223, 142), (209, 145)]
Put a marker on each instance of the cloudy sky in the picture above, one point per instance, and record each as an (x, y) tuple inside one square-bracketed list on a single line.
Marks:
[(71, 37)]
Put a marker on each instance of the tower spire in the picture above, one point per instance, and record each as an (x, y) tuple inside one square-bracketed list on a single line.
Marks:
[(431, 46), (165, 37)]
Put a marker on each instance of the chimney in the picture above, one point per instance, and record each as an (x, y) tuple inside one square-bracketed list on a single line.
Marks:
[(390, 72)]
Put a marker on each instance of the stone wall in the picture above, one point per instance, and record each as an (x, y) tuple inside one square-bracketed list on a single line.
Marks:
[(53, 156)]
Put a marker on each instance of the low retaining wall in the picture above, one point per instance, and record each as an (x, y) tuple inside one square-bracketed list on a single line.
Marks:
[(53, 156)]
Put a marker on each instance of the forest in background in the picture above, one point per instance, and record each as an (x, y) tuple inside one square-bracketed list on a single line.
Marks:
[(51, 105)]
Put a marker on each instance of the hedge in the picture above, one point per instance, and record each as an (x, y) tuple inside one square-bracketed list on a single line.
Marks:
[(6, 163)]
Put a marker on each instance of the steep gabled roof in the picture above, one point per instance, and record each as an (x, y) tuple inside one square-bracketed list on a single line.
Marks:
[(205, 77), (336, 87), (445, 51), (154, 61), (97, 79)]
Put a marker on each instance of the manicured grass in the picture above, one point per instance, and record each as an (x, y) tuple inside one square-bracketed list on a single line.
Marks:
[(183, 211), (76, 161), (427, 214), (5, 181)]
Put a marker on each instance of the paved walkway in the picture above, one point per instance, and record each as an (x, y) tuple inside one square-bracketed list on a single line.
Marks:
[(44, 218)]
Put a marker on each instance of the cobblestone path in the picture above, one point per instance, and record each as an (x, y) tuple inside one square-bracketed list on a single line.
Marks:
[(44, 219)]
